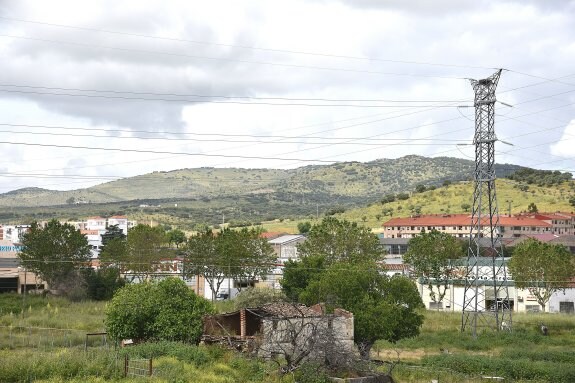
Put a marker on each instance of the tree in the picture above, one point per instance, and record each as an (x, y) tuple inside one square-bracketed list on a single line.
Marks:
[(112, 232), (337, 240), (298, 275), (165, 310), (420, 188), (446, 183), (250, 256), (572, 201), (541, 268), (466, 207), (383, 307), (304, 227), (204, 257), (101, 284), (54, 253), (177, 237), (242, 255), (532, 208), (430, 254), (145, 247)]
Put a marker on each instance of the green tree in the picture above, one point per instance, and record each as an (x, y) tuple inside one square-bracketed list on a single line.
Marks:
[(420, 188), (297, 275), (54, 253), (101, 284), (541, 268), (572, 201), (532, 208), (177, 237), (466, 207), (165, 310), (112, 232), (242, 255), (145, 247), (114, 247), (304, 227), (250, 256), (430, 255), (383, 307), (338, 240)]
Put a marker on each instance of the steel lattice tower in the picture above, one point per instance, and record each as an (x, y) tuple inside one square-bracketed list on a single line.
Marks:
[(486, 296)]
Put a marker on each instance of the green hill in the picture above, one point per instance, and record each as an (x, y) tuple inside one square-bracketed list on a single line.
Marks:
[(187, 197), (512, 197)]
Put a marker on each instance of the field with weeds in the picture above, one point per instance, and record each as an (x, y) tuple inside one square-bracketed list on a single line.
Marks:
[(43, 339)]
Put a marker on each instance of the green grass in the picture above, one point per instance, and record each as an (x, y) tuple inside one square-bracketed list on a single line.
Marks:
[(441, 351)]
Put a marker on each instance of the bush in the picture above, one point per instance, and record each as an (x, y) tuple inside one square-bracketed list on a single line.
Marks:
[(312, 373), (255, 297), (166, 310)]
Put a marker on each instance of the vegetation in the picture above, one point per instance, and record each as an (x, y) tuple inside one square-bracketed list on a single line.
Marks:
[(239, 254), (430, 255), (542, 268), (383, 307), (55, 253), (165, 310), (186, 198), (540, 177), (256, 297), (441, 351), (338, 267), (340, 240)]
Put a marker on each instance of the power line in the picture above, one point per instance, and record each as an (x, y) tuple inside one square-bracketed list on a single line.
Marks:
[(133, 50), (225, 97), (239, 46), (188, 101)]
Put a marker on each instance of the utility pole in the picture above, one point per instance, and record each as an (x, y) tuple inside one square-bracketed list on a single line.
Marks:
[(486, 298)]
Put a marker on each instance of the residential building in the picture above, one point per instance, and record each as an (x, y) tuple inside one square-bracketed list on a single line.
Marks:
[(285, 248), (459, 225)]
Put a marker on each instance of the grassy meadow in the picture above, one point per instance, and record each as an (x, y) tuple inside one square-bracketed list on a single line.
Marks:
[(43, 339)]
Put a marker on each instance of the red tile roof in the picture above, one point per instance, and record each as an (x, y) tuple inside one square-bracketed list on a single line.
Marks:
[(461, 220)]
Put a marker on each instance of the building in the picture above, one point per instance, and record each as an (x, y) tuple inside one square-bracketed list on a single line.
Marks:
[(279, 328), (13, 277), (285, 248), (459, 225)]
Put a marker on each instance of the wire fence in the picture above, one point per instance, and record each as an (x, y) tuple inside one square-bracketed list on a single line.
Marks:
[(138, 368), (46, 338)]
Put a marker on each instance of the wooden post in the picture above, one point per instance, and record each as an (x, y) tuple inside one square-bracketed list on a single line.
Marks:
[(150, 370), (126, 366)]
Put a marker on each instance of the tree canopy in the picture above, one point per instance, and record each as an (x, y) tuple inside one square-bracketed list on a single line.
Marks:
[(430, 254), (383, 307), (165, 310), (341, 240), (541, 268), (54, 252), (242, 255), (145, 247)]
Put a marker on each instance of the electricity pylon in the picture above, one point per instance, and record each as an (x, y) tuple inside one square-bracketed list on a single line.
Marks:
[(486, 297)]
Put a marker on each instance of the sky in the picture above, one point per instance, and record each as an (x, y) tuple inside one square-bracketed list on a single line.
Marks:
[(95, 91)]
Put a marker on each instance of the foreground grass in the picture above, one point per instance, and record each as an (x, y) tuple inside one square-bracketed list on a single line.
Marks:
[(440, 352)]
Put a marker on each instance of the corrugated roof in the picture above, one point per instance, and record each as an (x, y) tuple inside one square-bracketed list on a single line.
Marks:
[(285, 239)]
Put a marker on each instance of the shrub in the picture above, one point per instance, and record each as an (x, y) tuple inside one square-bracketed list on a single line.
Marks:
[(166, 310)]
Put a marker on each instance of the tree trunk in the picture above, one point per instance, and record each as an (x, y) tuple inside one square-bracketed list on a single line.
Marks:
[(365, 349)]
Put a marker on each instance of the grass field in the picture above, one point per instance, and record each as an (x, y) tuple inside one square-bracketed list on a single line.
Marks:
[(43, 339)]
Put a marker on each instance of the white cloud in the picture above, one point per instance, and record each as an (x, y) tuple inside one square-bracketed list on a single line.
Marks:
[(470, 37)]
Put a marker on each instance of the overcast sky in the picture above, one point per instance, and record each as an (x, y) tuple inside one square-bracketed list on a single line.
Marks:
[(166, 85)]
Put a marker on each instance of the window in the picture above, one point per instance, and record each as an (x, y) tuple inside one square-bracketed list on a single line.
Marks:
[(532, 308), (567, 307), (442, 227), (436, 305), (413, 228)]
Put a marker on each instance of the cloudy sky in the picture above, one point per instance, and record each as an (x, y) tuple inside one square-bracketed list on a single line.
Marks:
[(95, 91)]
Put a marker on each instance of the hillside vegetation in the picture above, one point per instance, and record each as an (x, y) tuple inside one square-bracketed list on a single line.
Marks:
[(512, 196), (189, 197)]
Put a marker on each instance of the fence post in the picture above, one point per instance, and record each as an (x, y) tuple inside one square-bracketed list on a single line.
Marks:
[(150, 367), (125, 366)]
